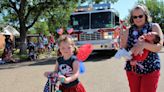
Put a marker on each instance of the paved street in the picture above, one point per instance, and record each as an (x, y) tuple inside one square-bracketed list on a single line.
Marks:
[(103, 74)]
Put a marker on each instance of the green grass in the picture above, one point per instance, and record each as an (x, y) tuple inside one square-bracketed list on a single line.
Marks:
[(20, 57), (45, 54), (1, 51), (17, 56)]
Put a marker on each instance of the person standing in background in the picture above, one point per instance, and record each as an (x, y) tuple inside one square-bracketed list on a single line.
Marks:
[(52, 40)]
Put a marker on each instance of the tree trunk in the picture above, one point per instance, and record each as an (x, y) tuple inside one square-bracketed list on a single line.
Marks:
[(23, 31), (23, 45)]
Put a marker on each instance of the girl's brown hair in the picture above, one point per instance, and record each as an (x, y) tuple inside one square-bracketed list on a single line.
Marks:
[(66, 38), (145, 11)]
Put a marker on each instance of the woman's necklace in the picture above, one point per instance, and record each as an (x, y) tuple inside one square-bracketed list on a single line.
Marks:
[(135, 35), (137, 31)]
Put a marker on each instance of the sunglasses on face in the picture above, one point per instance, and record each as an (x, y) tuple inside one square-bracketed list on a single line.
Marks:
[(140, 16)]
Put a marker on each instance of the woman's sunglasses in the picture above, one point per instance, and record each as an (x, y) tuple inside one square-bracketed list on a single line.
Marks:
[(140, 16)]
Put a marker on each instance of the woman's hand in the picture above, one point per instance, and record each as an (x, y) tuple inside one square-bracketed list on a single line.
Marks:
[(123, 38), (138, 48)]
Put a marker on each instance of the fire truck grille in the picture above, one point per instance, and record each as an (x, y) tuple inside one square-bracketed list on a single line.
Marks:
[(94, 36)]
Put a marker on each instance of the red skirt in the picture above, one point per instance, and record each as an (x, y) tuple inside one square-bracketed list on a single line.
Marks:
[(77, 88)]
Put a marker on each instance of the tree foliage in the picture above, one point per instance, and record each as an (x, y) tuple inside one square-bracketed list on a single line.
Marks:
[(59, 17), (24, 13), (156, 9)]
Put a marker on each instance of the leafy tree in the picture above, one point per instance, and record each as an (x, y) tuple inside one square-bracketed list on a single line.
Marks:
[(156, 9), (41, 27), (59, 17), (25, 13)]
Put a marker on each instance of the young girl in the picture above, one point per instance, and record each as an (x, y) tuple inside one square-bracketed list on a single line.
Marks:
[(68, 66)]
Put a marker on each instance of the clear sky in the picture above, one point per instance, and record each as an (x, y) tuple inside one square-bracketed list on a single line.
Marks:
[(123, 7)]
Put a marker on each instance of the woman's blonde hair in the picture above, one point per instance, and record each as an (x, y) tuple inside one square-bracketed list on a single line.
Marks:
[(145, 11), (67, 38)]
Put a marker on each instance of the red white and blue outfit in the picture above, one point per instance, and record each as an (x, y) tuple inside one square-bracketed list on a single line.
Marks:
[(142, 80), (65, 67)]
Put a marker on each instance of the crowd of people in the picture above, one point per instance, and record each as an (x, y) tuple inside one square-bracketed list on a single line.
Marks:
[(44, 44)]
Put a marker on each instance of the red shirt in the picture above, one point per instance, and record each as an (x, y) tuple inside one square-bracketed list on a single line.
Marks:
[(52, 39)]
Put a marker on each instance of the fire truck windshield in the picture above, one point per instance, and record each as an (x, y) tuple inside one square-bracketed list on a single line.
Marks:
[(80, 21), (91, 20), (100, 20)]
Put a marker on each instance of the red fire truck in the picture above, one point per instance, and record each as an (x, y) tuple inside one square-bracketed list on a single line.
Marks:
[(95, 25)]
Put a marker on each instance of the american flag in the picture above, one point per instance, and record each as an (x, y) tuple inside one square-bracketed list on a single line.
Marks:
[(69, 31), (60, 31), (46, 88)]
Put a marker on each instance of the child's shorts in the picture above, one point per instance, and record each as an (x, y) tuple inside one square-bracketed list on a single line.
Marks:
[(77, 88)]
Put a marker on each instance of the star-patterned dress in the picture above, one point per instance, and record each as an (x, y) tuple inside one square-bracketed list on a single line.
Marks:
[(152, 62)]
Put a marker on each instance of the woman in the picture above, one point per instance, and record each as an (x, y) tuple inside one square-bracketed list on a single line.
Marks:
[(8, 42), (7, 56), (52, 40), (146, 79)]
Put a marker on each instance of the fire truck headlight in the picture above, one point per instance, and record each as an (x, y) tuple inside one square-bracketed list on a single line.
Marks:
[(75, 38), (107, 35)]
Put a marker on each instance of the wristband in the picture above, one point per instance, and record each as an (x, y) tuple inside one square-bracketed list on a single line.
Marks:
[(62, 80)]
